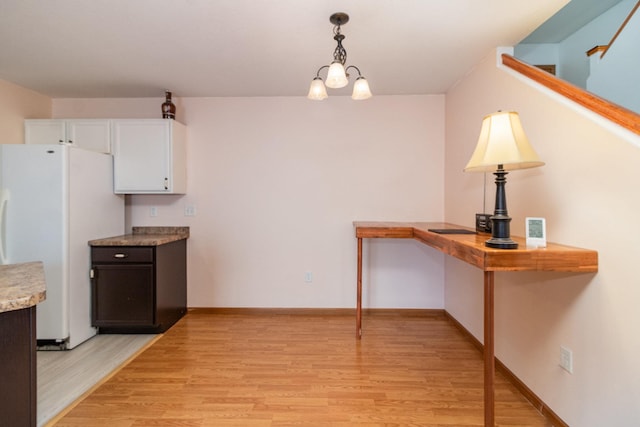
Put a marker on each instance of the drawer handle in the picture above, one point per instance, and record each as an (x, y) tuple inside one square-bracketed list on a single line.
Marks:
[(120, 255)]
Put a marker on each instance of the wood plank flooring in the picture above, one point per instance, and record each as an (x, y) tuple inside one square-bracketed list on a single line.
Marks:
[(248, 369)]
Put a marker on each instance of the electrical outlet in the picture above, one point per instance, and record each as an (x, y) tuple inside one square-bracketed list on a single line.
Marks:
[(308, 277), (190, 210), (566, 359), (153, 211)]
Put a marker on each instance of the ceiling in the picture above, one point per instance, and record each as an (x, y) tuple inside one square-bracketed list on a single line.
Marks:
[(139, 48), (575, 15)]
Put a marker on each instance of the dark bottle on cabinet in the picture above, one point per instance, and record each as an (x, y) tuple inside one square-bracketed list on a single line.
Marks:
[(168, 108)]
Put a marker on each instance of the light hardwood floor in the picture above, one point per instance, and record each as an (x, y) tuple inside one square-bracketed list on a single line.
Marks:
[(265, 369)]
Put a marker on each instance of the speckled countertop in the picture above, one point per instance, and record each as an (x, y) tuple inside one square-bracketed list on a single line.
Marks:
[(145, 236), (21, 285)]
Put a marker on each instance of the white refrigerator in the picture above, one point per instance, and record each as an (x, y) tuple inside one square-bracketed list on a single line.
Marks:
[(53, 200)]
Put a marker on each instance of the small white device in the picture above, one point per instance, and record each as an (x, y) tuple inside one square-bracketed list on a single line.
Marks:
[(536, 232)]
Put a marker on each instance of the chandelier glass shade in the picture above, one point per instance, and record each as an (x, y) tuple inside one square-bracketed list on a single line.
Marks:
[(336, 76), (361, 89), (317, 91)]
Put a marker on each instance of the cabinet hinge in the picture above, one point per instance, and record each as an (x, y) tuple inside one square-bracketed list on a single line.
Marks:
[(91, 274), (166, 183)]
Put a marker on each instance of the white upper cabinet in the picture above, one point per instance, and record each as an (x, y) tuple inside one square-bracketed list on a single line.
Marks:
[(149, 156), (90, 134)]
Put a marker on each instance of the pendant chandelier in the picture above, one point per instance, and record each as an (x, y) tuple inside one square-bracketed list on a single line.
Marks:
[(338, 75)]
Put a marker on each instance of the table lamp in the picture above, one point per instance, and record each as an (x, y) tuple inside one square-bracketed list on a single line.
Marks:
[(502, 146)]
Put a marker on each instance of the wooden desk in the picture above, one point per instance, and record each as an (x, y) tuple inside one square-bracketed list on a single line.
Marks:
[(470, 248)]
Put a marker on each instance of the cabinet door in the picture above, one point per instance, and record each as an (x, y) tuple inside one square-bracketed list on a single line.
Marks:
[(94, 135), (123, 295), (141, 150), (90, 134), (18, 393), (44, 132)]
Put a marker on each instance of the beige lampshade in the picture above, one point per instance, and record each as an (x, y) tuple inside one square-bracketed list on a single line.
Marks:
[(336, 77), (503, 142), (317, 91), (361, 89)]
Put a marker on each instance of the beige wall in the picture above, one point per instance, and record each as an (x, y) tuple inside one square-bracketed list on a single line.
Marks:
[(17, 104), (588, 193), (277, 182)]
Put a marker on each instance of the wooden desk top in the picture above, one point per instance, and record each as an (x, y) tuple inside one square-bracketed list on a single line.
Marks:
[(470, 248)]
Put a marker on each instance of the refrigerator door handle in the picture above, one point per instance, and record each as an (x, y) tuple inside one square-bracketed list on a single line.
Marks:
[(4, 199)]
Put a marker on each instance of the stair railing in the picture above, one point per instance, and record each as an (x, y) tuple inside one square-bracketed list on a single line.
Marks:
[(615, 36), (614, 112)]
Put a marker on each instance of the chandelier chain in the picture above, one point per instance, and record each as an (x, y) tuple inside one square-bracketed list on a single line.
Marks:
[(339, 54)]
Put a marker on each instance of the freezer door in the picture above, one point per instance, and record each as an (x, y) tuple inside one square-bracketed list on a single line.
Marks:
[(35, 178), (94, 212)]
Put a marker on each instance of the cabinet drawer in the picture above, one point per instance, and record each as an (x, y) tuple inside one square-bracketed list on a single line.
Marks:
[(121, 254)]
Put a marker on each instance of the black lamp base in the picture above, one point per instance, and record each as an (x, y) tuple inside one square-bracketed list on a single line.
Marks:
[(500, 234), (501, 243)]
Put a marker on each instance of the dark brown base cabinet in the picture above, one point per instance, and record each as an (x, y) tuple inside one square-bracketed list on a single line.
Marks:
[(138, 289), (18, 368)]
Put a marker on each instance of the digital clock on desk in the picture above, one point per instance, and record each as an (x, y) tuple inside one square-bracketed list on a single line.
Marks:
[(536, 232)]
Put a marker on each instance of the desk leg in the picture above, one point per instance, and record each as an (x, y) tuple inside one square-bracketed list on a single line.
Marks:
[(359, 292), (489, 365)]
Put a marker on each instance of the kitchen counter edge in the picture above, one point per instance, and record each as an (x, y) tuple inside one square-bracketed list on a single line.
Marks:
[(145, 236), (21, 285)]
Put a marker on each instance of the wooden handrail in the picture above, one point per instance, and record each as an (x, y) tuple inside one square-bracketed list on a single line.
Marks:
[(596, 49), (615, 36), (614, 112)]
